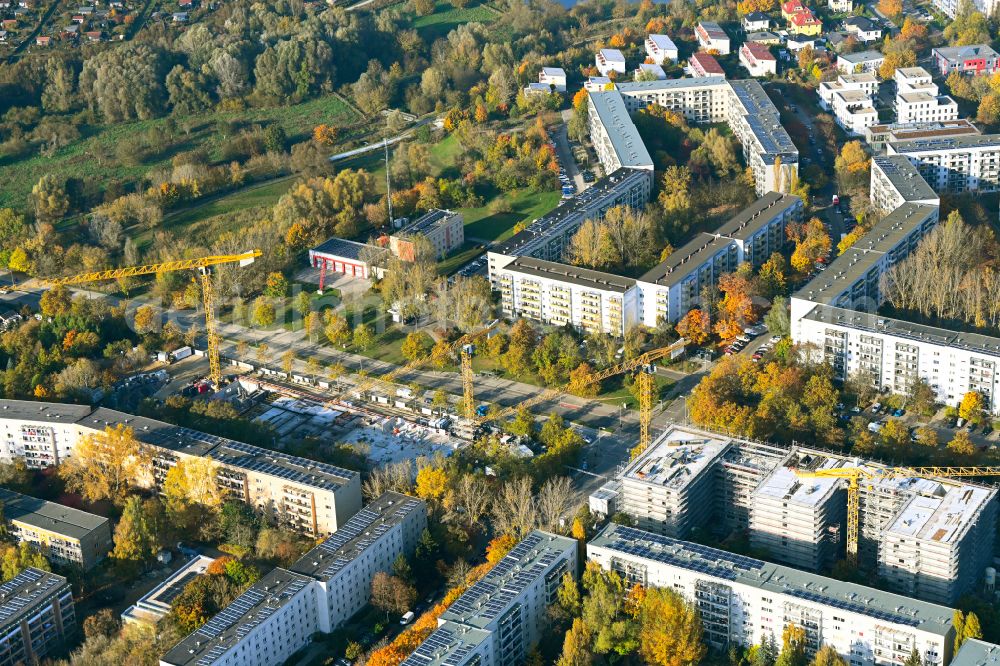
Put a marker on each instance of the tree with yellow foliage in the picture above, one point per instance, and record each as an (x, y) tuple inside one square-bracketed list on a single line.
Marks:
[(106, 465), (891, 8), (432, 482), (499, 546), (812, 242), (582, 382), (972, 407), (669, 629)]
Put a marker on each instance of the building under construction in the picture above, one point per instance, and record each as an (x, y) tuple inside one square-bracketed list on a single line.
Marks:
[(930, 538)]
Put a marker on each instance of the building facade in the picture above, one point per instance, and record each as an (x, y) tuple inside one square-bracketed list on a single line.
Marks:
[(861, 62), (758, 59), (554, 78), (711, 37), (975, 59), (36, 616), (742, 599), (851, 99), (895, 181), (281, 612), (309, 496), (609, 60), (704, 64), (896, 353), (560, 295), (345, 257), (878, 136), (443, 230), (918, 99), (500, 618), (546, 237), (969, 163), (673, 287), (661, 49), (64, 534)]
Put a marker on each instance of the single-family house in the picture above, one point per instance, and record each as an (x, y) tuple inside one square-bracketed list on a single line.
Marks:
[(863, 28), (764, 37), (180, 17), (43, 40), (756, 21), (841, 6)]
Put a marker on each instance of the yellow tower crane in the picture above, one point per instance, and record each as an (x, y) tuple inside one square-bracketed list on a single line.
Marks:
[(854, 476), (202, 265), (642, 363)]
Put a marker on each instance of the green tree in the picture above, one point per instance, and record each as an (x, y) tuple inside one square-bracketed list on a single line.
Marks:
[(336, 329), (914, 659), (276, 285), (137, 532), (50, 199), (523, 424), (363, 337), (778, 318), (262, 313), (417, 345)]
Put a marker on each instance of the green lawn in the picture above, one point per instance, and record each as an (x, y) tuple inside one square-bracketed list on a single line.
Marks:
[(445, 18), (444, 154), (93, 155), (467, 253), (525, 206)]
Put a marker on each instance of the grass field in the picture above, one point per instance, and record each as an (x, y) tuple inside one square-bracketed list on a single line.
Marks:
[(93, 155), (445, 18), (525, 205)]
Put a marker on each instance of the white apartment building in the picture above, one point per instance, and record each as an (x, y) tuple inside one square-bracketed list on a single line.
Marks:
[(702, 64), (741, 599), (692, 478), (649, 71), (699, 100), (860, 62), (918, 99), (969, 163), (344, 565), (547, 236), (597, 83), (264, 626), (851, 99), (308, 496), (560, 294), (615, 138), (500, 618), (950, 7), (554, 77), (758, 59), (661, 49), (36, 617), (796, 520), (896, 352), (666, 489), (711, 37), (673, 287), (841, 6), (609, 60), (279, 614), (977, 653), (895, 181), (852, 280)]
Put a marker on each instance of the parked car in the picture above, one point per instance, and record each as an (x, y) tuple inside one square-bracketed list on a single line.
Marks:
[(876, 407), (899, 412)]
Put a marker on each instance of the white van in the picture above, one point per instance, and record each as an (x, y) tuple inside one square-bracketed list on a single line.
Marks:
[(406, 619)]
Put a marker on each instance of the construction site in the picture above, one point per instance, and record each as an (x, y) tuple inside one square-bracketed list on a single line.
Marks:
[(925, 531)]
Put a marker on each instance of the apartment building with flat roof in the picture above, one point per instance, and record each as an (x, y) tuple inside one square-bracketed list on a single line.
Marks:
[(345, 563), (561, 294), (918, 98), (969, 163), (281, 612), (36, 616), (977, 653), (895, 353), (711, 37), (613, 134), (895, 181), (853, 279), (670, 289), (974, 59), (546, 237), (661, 49), (742, 599), (879, 135), (443, 230), (306, 495), (502, 616), (64, 534)]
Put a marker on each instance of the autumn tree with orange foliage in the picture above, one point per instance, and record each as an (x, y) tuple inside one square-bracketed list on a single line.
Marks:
[(891, 8), (767, 400), (736, 308), (695, 326), (745, 7), (325, 135), (812, 242)]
